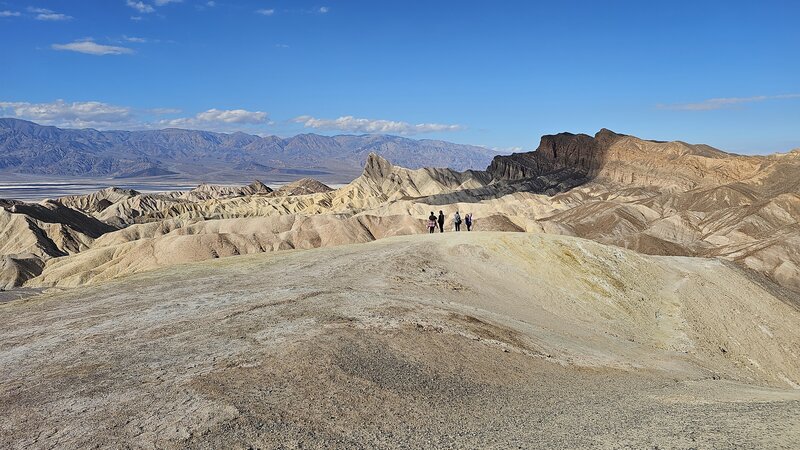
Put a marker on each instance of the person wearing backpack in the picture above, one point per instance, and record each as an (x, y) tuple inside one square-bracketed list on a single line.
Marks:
[(441, 221), (431, 223), (457, 221)]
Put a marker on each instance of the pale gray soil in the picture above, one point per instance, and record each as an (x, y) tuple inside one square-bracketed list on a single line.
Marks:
[(8, 295), (454, 341)]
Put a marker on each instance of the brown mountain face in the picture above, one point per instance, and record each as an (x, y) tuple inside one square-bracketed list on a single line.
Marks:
[(578, 152), (613, 157), (671, 198)]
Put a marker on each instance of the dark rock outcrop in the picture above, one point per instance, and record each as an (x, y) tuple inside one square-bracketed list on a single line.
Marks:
[(256, 187), (52, 211), (580, 153), (17, 269)]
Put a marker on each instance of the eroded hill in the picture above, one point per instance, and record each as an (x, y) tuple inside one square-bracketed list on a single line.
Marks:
[(663, 198)]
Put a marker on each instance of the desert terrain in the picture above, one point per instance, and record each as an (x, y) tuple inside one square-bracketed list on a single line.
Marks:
[(616, 292), (470, 339)]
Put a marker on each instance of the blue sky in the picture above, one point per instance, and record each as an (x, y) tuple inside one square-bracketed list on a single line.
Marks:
[(498, 74)]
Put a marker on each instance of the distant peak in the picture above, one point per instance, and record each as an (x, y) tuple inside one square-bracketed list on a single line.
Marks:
[(606, 133), (795, 153), (374, 158), (377, 166), (258, 187), (115, 189), (303, 186)]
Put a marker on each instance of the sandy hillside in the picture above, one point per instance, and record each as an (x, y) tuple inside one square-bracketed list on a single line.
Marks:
[(456, 340)]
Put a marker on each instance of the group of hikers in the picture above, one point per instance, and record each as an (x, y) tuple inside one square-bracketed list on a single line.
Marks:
[(433, 221)]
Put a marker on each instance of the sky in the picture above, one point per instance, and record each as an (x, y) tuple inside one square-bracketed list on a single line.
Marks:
[(498, 74)]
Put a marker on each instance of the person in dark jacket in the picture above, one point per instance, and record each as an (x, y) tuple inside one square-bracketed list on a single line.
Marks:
[(441, 221), (468, 221), (432, 223)]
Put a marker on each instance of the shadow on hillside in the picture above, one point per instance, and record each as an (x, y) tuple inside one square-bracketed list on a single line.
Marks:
[(550, 184), (561, 162)]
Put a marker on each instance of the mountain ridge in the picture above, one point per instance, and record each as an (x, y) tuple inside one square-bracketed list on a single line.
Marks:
[(629, 160), (27, 147)]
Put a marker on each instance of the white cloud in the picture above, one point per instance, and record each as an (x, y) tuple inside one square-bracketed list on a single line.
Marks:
[(136, 18), (165, 2), (315, 10), (140, 6), (9, 14), (75, 114), (266, 12), (137, 40), (723, 103), (54, 17), (47, 14), (218, 119), (105, 116), (92, 48), (205, 5), (355, 125), (233, 116)]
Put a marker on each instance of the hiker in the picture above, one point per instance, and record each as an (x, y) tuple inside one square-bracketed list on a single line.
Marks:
[(441, 221), (468, 221), (457, 221), (431, 223)]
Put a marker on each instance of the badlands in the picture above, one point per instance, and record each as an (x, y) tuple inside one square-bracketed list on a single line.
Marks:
[(617, 292)]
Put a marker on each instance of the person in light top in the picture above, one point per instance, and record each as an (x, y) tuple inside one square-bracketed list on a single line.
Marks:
[(432, 223)]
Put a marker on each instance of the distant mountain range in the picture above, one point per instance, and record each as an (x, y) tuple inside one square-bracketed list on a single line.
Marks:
[(26, 147)]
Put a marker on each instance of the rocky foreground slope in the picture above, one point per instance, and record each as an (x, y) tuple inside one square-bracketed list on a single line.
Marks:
[(463, 340)]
